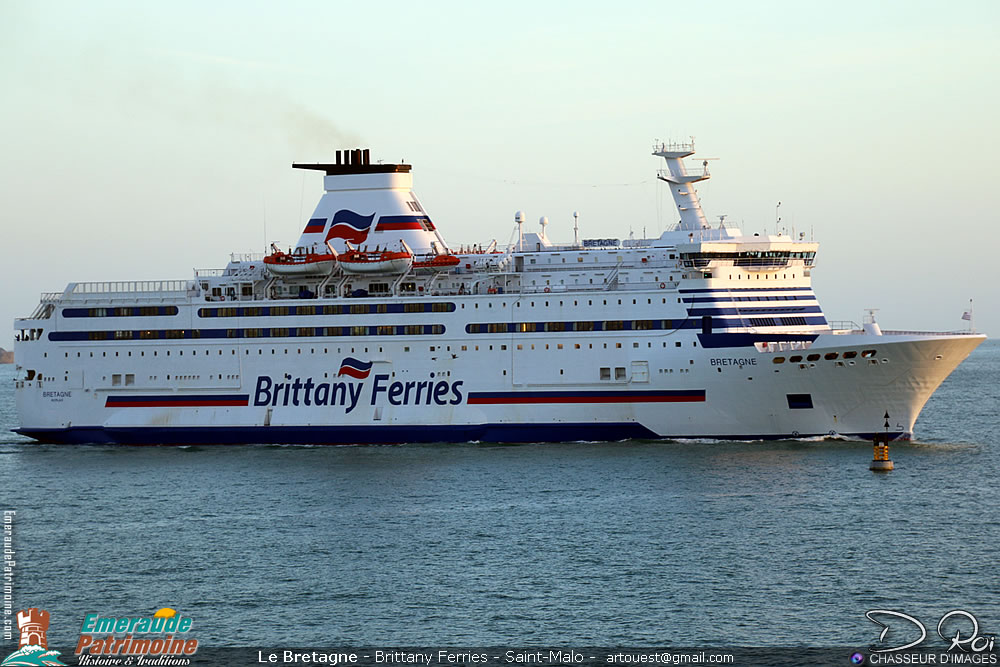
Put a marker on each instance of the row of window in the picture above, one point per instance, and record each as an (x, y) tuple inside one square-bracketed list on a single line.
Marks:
[(269, 332), (829, 356), (333, 309), (406, 348), (752, 258), (778, 322), (121, 311), (698, 312), (625, 325), (600, 325), (723, 298)]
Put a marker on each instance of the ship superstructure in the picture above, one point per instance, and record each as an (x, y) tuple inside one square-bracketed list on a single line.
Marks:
[(372, 329)]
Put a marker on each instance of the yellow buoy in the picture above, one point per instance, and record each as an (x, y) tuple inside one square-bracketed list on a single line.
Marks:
[(880, 457)]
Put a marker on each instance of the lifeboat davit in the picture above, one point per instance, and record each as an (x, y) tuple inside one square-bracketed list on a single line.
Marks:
[(299, 263), (376, 261), (437, 263)]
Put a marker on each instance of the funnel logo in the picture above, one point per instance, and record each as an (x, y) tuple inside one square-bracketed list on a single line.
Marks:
[(33, 647), (354, 368), (350, 226)]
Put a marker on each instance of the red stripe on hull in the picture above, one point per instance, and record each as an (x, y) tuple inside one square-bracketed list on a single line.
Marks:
[(585, 399), (173, 404)]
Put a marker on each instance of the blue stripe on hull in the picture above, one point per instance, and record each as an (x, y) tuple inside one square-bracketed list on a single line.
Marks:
[(363, 435), (339, 435)]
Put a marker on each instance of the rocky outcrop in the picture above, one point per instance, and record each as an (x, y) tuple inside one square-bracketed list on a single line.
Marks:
[(6, 357)]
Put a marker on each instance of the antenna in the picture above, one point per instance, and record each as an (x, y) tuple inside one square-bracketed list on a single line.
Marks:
[(576, 229)]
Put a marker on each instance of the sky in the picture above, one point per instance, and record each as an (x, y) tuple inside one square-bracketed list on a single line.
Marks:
[(142, 140)]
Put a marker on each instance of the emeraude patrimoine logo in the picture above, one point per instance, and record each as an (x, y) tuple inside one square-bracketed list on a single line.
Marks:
[(130, 636)]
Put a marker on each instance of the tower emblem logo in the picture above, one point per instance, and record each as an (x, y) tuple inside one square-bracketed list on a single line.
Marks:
[(32, 650)]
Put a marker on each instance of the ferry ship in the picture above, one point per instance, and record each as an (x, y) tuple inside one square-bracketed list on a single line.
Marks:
[(372, 329)]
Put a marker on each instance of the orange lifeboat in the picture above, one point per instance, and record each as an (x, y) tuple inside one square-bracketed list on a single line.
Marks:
[(437, 263), (376, 261), (299, 263)]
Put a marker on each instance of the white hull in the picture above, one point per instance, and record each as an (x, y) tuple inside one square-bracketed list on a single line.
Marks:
[(701, 401)]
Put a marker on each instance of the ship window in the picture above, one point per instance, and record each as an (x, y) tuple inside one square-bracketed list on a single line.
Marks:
[(605, 373), (799, 401), (850, 354), (795, 359), (677, 344), (620, 372), (778, 360), (812, 357), (129, 379), (116, 379), (867, 354), (830, 356)]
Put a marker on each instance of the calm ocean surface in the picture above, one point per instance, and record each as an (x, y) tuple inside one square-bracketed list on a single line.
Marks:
[(623, 543)]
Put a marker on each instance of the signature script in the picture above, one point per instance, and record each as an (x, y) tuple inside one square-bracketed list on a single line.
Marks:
[(950, 628)]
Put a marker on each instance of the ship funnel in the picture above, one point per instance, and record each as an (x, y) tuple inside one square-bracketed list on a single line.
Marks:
[(367, 204)]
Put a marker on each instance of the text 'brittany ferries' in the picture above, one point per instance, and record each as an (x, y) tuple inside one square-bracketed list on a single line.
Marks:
[(348, 394)]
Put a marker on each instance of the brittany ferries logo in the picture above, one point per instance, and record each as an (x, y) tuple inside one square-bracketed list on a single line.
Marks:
[(307, 392), (350, 226), (354, 368)]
